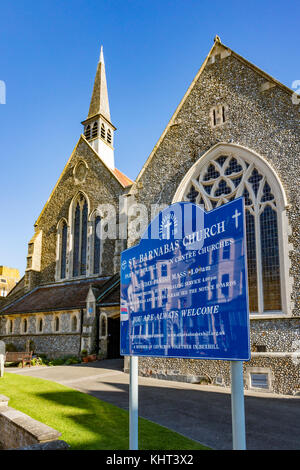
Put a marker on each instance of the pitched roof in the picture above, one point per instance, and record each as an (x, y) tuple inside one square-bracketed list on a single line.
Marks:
[(217, 48), (69, 295), (124, 180)]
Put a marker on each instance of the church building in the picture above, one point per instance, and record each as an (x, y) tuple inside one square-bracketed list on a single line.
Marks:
[(235, 133), (68, 300)]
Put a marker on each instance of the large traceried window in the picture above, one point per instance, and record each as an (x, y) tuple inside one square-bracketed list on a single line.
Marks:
[(80, 220), (97, 245), (224, 177), (63, 256), (62, 246)]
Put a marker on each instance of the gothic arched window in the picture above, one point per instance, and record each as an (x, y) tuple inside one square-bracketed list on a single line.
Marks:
[(80, 220), (108, 136), (223, 177), (95, 130), (97, 244), (63, 252)]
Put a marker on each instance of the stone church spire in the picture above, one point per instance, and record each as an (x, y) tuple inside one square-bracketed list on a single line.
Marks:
[(99, 102), (98, 129)]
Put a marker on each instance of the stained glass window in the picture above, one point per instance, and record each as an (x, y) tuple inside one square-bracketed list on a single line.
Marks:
[(270, 259), (76, 241), (63, 256), (225, 178), (84, 217), (97, 244), (80, 237)]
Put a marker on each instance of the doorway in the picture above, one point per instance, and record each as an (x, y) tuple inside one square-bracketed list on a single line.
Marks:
[(113, 338)]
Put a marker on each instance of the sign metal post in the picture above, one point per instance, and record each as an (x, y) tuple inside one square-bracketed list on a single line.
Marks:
[(133, 403), (237, 406)]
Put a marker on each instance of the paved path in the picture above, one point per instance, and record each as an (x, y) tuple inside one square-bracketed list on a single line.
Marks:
[(201, 412)]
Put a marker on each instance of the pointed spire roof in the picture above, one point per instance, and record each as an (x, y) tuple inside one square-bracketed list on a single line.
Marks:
[(99, 102)]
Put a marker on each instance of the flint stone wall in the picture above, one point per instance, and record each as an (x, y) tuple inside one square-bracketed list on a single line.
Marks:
[(283, 371), (100, 186)]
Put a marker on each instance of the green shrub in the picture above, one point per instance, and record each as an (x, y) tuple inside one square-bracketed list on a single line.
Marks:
[(58, 362), (37, 361)]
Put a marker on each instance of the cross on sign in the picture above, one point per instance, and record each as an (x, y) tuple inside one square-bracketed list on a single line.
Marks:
[(236, 217), (168, 225)]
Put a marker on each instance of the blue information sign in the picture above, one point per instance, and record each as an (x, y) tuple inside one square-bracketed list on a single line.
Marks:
[(184, 290)]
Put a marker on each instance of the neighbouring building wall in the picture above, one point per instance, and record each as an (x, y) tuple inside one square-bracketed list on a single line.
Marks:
[(8, 279), (56, 334)]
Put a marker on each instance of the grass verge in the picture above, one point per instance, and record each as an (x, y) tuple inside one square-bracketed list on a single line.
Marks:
[(85, 422)]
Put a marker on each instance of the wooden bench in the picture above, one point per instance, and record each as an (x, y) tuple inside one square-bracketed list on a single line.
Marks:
[(23, 357)]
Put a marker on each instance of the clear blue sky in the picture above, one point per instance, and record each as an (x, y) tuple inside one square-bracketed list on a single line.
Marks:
[(153, 48)]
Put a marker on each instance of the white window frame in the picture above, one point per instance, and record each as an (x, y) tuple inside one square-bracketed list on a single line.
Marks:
[(268, 172), (259, 370)]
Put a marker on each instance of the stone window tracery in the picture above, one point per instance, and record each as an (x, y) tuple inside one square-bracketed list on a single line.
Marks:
[(222, 179)]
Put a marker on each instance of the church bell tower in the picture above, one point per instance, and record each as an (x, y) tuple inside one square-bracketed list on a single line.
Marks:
[(98, 129)]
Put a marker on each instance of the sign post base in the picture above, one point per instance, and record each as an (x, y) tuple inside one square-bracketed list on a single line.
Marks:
[(133, 404), (237, 406)]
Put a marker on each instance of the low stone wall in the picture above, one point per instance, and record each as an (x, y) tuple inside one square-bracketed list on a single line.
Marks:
[(281, 368), (52, 345), (20, 431)]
